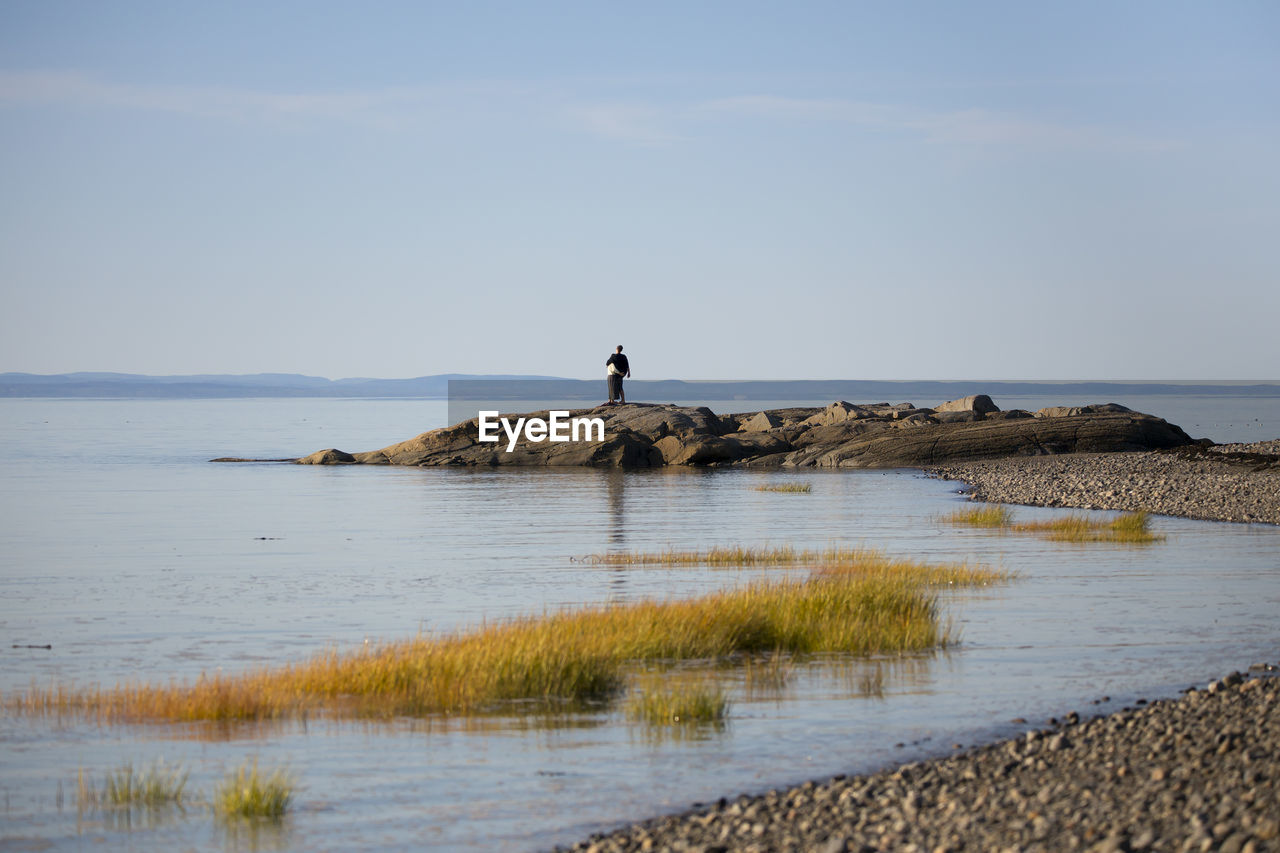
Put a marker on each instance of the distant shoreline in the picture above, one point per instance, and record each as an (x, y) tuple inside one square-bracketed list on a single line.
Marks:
[(437, 387)]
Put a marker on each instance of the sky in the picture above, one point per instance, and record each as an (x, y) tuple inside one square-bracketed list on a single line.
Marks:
[(731, 190)]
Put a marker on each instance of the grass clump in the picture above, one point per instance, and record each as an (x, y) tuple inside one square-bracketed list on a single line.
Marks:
[(153, 787), (664, 703), (856, 602), (732, 556), (786, 488), (1131, 528), (984, 516), (249, 793), (823, 562)]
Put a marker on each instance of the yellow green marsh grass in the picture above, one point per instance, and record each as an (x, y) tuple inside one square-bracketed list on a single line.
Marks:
[(248, 793), (674, 702), (982, 516), (153, 787), (786, 488), (728, 556), (1131, 528), (859, 561), (856, 603)]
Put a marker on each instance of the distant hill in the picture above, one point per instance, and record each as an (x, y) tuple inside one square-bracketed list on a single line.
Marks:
[(123, 385), (214, 386)]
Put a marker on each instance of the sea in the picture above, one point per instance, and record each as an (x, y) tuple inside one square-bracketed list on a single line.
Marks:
[(127, 556)]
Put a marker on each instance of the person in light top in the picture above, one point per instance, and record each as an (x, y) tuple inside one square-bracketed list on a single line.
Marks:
[(617, 367)]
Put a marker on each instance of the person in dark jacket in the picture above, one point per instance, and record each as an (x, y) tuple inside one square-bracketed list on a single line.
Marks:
[(616, 367)]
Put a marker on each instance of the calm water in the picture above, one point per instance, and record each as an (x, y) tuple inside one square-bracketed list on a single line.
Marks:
[(135, 558)]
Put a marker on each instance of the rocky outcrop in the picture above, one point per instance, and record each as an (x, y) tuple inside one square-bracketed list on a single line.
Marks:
[(841, 435)]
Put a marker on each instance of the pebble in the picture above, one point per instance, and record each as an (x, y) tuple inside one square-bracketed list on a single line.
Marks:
[(1222, 483), (1201, 772)]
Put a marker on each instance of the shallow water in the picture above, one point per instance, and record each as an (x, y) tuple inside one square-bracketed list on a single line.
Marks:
[(136, 559)]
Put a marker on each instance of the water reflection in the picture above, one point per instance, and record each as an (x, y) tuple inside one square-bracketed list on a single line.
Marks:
[(615, 489), (255, 834), (92, 818)]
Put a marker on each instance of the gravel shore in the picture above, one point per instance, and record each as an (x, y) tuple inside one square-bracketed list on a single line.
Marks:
[(1233, 482), (1201, 772)]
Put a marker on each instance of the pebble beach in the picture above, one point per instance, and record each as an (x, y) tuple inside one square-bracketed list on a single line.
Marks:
[(1229, 482), (1200, 772)]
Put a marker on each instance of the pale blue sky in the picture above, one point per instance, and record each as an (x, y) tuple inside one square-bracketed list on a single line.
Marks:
[(731, 190)]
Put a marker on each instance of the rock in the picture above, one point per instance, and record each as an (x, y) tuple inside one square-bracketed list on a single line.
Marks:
[(761, 423), (839, 412), (331, 456), (655, 422), (696, 449), (829, 436), (876, 435), (979, 404), (624, 450), (963, 417), (995, 439), (1063, 411), (919, 417)]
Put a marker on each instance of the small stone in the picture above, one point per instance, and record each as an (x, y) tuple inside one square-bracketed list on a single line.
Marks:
[(1234, 843), (1144, 840)]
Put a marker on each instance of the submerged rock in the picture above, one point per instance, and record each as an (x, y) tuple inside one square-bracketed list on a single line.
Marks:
[(842, 435)]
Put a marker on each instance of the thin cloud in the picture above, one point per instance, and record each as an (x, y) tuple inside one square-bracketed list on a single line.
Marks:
[(643, 125), (969, 127), (85, 90), (631, 122), (377, 107)]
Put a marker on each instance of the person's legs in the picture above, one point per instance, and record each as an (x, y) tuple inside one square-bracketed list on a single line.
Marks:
[(615, 386)]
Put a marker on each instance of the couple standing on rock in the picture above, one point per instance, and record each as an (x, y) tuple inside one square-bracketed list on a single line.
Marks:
[(617, 367)]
